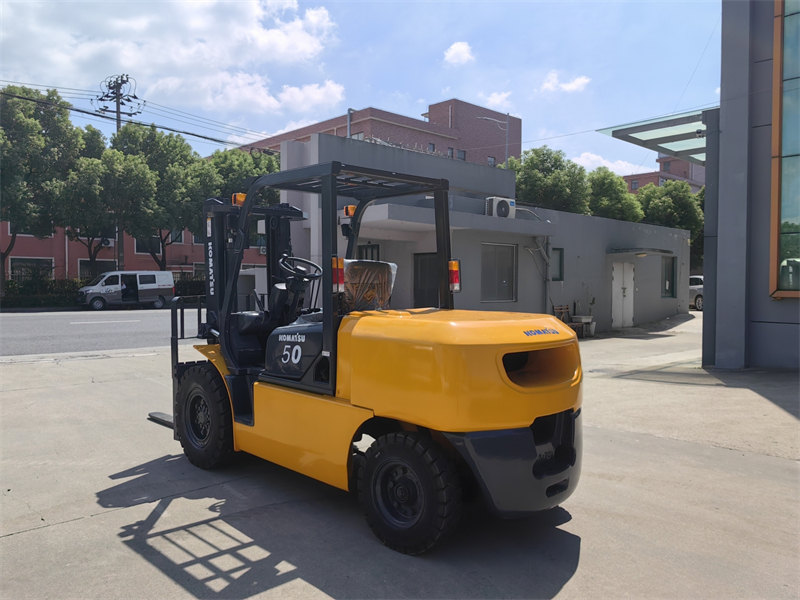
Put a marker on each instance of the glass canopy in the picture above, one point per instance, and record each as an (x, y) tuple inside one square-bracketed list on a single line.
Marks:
[(682, 135)]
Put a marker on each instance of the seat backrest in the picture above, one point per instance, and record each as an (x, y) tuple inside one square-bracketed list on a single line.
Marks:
[(368, 284)]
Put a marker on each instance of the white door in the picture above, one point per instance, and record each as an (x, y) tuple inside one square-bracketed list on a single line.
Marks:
[(621, 295)]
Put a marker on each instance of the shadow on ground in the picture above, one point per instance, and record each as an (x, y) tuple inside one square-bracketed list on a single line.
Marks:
[(779, 387), (266, 527)]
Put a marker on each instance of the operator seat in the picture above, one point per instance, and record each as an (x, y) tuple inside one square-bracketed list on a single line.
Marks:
[(368, 284)]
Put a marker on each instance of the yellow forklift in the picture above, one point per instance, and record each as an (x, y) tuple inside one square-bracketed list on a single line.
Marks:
[(451, 399)]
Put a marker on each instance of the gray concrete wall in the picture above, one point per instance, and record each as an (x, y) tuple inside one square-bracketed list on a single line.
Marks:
[(404, 227), (751, 329), (587, 266)]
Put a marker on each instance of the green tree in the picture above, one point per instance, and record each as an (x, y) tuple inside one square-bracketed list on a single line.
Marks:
[(609, 197), (129, 189), (94, 142), (547, 178), (235, 166), (83, 208), (172, 160), (674, 205), (39, 145)]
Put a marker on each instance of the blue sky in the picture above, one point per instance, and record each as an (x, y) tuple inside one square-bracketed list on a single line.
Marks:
[(563, 67)]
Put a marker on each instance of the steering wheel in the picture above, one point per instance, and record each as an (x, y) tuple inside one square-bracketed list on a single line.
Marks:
[(292, 266)]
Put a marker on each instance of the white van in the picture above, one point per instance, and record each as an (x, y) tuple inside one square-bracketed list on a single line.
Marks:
[(118, 288)]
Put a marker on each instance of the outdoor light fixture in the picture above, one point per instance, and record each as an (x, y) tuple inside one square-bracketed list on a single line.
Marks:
[(641, 254)]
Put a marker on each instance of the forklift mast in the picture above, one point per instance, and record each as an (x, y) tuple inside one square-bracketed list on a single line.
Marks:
[(221, 218)]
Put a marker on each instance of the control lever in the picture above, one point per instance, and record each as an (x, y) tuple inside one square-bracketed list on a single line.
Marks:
[(259, 303)]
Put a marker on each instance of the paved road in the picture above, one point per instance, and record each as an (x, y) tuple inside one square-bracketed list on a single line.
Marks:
[(83, 331)]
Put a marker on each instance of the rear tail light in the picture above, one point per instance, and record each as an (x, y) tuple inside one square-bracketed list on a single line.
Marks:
[(173, 290), (454, 270), (338, 275)]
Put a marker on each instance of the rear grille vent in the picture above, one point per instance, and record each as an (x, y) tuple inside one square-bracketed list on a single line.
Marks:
[(537, 368)]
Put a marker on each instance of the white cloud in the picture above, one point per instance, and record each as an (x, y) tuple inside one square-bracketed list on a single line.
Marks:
[(552, 84), (497, 100), (458, 54), (621, 167), (716, 91), (213, 53), (445, 90)]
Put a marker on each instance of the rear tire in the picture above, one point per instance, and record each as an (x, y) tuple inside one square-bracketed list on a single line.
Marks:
[(698, 303), (203, 417), (410, 492), (160, 302), (97, 303)]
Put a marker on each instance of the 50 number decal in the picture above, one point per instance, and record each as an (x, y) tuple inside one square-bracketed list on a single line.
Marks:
[(293, 353)]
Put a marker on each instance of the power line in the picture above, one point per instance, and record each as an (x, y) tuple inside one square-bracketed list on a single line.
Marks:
[(86, 112)]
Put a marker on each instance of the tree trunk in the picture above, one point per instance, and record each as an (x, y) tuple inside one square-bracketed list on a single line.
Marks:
[(3, 256)]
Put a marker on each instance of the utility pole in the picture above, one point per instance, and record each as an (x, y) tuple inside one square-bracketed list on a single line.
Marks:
[(118, 89), (508, 126)]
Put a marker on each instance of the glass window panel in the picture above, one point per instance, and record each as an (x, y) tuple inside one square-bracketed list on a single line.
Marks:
[(790, 191), (557, 264), (791, 47), (791, 6), (789, 274), (791, 118)]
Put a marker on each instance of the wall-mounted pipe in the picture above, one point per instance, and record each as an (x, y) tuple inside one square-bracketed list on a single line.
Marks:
[(350, 112)]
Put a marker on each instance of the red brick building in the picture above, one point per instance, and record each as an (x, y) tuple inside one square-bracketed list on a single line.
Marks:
[(669, 168), (68, 259), (452, 128)]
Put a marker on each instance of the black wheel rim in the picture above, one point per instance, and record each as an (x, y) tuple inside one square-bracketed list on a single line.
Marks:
[(198, 420), (399, 494)]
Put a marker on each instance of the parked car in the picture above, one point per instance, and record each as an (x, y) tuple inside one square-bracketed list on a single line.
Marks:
[(120, 288), (696, 291)]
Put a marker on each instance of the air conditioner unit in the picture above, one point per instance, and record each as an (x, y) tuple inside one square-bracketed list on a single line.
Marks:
[(262, 249), (501, 207), (107, 243)]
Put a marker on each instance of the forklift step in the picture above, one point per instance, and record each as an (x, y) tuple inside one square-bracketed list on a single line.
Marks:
[(160, 418)]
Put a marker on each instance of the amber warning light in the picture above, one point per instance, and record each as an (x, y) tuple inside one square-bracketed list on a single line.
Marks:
[(338, 275), (350, 210), (454, 268), (238, 199)]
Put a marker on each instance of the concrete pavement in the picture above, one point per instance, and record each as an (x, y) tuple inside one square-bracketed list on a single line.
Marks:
[(689, 489)]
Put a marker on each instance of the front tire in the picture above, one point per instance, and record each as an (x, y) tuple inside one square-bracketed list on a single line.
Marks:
[(160, 302), (410, 492), (698, 303), (97, 303), (203, 418)]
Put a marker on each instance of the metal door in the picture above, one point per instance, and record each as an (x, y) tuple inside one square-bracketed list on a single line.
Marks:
[(622, 295)]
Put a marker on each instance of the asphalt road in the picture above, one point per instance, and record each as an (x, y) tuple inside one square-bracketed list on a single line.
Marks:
[(84, 331)]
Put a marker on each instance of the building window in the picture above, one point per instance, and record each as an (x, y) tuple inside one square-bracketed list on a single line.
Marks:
[(199, 270), (449, 153), (31, 269), (100, 266), (461, 154), (785, 209), (369, 252), (431, 147), (667, 276), (661, 182), (635, 184), (498, 273), (198, 239), (144, 246), (490, 160), (667, 167), (257, 240), (557, 264), (176, 236), (358, 136), (21, 231)]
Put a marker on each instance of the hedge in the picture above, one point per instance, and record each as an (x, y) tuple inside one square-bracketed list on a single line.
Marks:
[(43, 301)]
